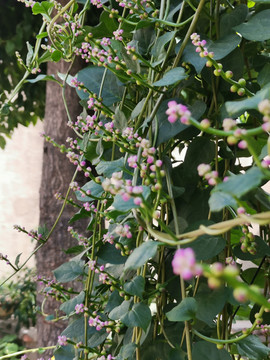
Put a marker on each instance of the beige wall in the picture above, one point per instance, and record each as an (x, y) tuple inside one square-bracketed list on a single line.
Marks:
[(20, 174)]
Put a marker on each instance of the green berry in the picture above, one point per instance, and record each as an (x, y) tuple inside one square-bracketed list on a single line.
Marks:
[(242, 82)]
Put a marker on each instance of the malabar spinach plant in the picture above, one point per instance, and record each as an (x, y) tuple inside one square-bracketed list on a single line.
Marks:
[(173, 139)]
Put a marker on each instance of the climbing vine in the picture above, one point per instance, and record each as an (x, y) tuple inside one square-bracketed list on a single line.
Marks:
[(173, 140)]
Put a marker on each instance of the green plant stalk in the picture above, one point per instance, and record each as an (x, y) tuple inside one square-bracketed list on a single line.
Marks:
[(233, 340), (27, 352), (51, 24), (189, 32)]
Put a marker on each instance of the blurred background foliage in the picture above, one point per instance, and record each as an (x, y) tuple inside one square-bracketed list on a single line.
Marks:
[(17, 25)]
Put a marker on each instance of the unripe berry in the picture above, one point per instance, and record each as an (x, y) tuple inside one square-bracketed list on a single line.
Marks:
[(209, 63), (240, 294), (217, 72), (242, 82), (229, 74), (220, 346), (234, 88), (241, 91), (231, 140)]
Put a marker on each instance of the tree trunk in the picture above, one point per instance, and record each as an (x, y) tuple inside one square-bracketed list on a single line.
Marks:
[(57, 173)]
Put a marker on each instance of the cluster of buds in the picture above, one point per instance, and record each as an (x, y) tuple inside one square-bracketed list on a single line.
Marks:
[(204, 170), (62, 340), (27, 3), (230, 124), (178, 112), (184, 264), (118, 185), (140, 8), (106, 357), (201, 48), (19, 58), (108, 238), (80, 308), (99, 324), (103, 276), (247, 241), (239, 86), (264, 108), (217, 272), (33, 234), (82, 240)]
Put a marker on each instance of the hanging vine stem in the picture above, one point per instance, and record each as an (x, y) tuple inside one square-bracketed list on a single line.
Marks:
[(28, 351), (233, 340)]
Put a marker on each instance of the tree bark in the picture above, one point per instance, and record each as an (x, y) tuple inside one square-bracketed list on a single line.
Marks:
[(57, 173)]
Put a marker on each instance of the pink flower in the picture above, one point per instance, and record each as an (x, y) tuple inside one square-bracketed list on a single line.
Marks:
[(184, 264), (178, 111), (62, 340)]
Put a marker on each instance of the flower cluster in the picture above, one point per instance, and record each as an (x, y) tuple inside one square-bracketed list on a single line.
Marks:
[(62, 340), (204, 170), (184, 264), (218, 272), (248, 243), (178, 111), (99, 324), (264, 108)]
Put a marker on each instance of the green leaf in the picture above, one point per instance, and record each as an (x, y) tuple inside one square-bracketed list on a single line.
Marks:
[(69, 271), (56, 55), (249, 277), (120, 310), (11, 348), (97, 338), (107, 168), (114, 301), (109, 254), (120, 120), (264, 75), (139, 315), (236, 108), (253, 348), (140, 255), (65, 353), (171, 77), (135, 286), (17, 260), (238, 185), (43, 77), (186, 310), (208, 351), (210, 303), (96, 191), (69, 306), (42, 35), (166, 130), (30, 53), (2, 142), (92, 76), (105, 27), (233, 18), (158, 50), (124, 206), (220, 200), (207, 246), (256, 28), (127, 352), (137, 110), (223, 46), (42, 8)]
